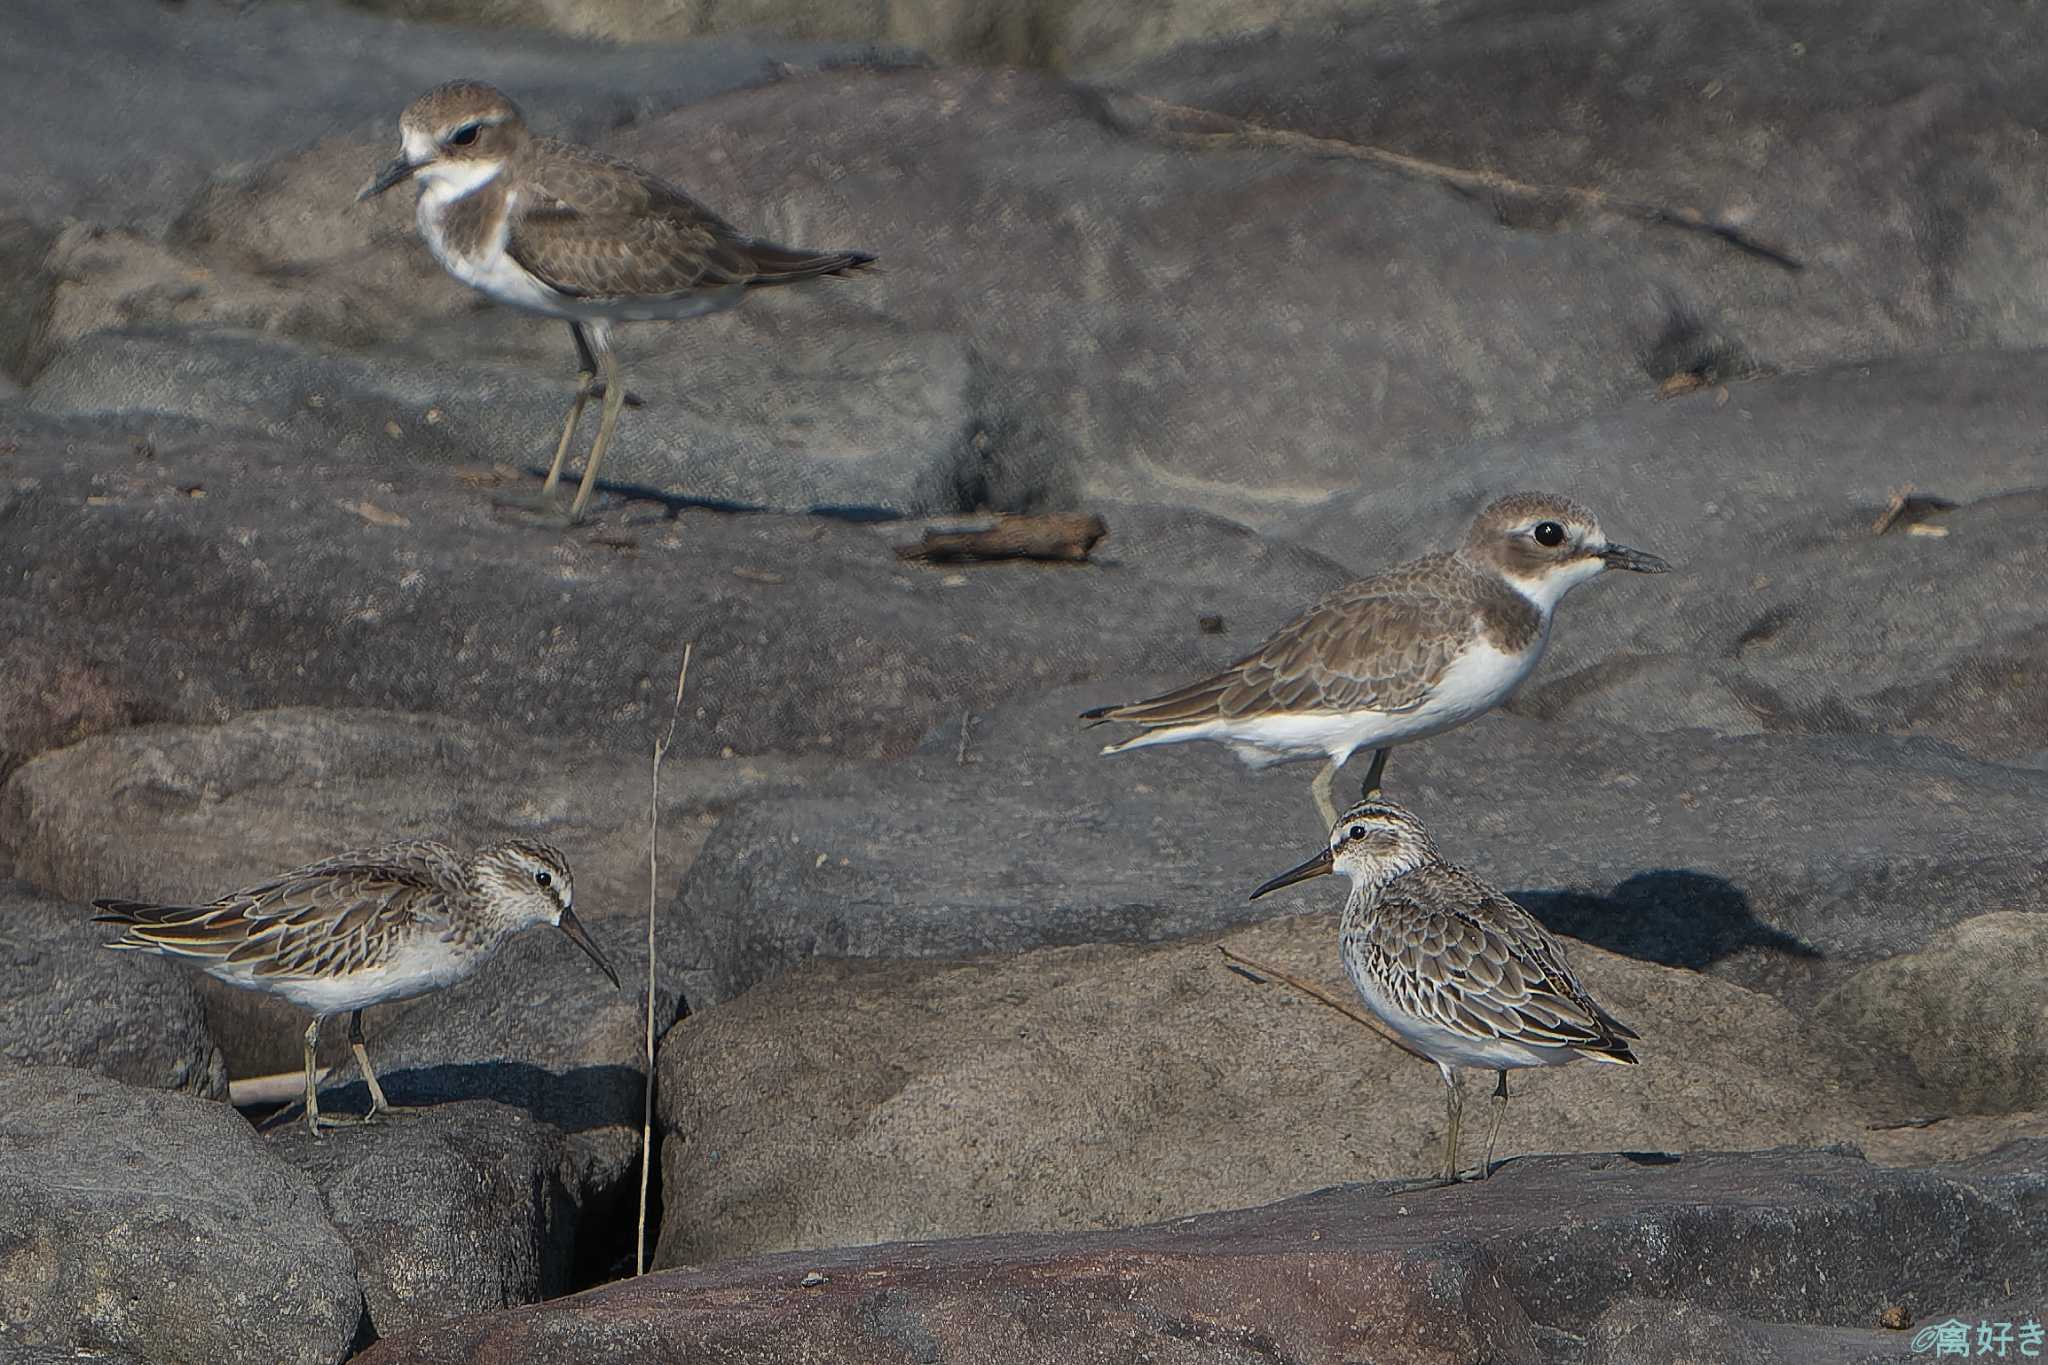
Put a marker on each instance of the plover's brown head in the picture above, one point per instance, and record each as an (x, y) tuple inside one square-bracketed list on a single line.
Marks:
[(1372, 843), (1545, 545), (455, 137), (522, 883)]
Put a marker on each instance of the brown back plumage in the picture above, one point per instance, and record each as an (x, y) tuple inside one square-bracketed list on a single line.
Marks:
[(592, 226)]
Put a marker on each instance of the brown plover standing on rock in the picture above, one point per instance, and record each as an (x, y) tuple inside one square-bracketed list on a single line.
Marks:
[(361, 929), (1400, 656), (570, 233), (1462, 974)]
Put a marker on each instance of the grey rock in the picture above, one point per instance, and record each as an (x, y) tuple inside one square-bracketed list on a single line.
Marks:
[(1687, 1334), (461, 1209), (66, 1001), (300, 580), (137, 1221), (1100, 1086), (1681, 848), (1958, 1013), (864, 415), (227, 84), (1785, 612), (1500, 1271)]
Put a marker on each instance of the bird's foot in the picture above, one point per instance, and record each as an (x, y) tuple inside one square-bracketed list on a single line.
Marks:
[(320, 1122), (541, 510)]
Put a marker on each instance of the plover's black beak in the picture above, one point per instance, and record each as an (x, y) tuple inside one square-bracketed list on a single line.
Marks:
[(1314, 867), (1635, 561), (573, 927), (397, 172)]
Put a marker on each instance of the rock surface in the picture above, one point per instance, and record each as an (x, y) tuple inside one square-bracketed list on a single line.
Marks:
[(66, 1001), (1518, 1268), (461, 1209), (1678, 848), (1093, 1087), (199, 575), (156, 1224)]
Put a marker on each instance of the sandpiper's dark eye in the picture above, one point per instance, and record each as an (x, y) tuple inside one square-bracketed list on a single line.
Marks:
[(462, 137), (541, 878), (1358, 831), (1549, 534)]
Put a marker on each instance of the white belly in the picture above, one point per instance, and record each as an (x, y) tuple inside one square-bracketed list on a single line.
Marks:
[(409, 975), (1479, 680)]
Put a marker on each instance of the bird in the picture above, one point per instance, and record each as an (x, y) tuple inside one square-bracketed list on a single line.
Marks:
[(1460, 973), (363, 928), (568, 232), (1403, 655)]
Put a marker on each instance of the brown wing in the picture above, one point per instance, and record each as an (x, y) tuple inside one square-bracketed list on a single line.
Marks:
[(1380, 644), (596, 227), (335, 915), (1460, 953)]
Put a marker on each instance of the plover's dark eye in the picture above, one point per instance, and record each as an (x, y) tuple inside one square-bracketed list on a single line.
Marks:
[(541, 878), (462, 137), (1549, 534), (1358, 831)]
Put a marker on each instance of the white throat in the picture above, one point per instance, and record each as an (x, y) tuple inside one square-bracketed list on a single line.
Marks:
[(444, 182), (1545, 591)]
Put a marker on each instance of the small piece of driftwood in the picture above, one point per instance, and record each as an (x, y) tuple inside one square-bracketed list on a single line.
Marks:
[(260, 1092), (1067, 537), (1247, 966)]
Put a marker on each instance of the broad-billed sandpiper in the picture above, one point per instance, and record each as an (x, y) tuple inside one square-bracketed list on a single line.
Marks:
[(1461, 973), (570, 233), (362, 929), (1400, 656)]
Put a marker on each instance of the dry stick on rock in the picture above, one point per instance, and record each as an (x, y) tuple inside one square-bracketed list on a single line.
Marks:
[(1206, 130), (1064, 536), (1321, 996), (653, 891)]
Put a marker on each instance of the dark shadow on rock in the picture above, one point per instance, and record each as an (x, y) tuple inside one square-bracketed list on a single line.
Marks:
[(575, 1101), (1671, 916), (857, 514)]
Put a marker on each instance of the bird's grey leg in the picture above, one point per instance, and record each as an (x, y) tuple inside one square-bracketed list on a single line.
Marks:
[(589, 363), (1326, 806), (1454, 1112), (614, 399), (378, 1104), (583, 383), (1500, 1111), (1373, 774)]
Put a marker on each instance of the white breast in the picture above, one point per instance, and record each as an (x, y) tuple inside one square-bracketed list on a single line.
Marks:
[(487, 268)]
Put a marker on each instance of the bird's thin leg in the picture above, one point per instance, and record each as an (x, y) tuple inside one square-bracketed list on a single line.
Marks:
[(378, 1104), (1324, 803), (583, 383), (1454, 1111), (614, 399), (1373, 774), (1500, 1112), (312, 1092)]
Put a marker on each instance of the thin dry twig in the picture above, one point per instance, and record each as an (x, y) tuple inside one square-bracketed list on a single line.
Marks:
[(1208, 130), (1062, 537), (260, 1092), (653, 891), (1321, 996)]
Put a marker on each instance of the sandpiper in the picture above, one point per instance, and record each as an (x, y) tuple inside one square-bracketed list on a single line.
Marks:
[(1400, 656), (362, 929), (571, 233), (1463, 975)]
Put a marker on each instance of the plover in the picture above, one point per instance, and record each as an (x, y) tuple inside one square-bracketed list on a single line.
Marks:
[(1400, 656), (362, 929), (571, 233), (1460, 972)]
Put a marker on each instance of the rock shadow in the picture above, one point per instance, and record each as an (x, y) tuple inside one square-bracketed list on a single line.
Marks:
[(1672, 916), (576, 1101)]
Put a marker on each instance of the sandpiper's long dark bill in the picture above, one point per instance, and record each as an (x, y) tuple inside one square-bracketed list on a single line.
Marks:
[(364, 928), (1460, 973), (1403, 655), (571, 233)]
